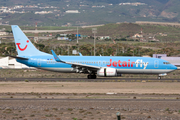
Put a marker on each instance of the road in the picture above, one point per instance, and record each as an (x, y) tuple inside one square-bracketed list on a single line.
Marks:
[(45, 31)]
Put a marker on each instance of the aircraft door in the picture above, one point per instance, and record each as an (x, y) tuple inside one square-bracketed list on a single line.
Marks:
[(156, 64), (39, 62), (101, 63)]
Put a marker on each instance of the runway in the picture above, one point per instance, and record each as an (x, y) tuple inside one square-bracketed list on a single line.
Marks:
[(82, 98), (89, 80), (160, 100)]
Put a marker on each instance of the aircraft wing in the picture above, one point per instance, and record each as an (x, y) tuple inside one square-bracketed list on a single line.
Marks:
[(91, 67)]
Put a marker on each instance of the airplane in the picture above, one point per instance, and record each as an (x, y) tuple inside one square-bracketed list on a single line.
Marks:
[(101, 66)]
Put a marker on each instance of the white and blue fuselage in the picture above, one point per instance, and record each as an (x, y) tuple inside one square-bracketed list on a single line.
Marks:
[(131, 65)]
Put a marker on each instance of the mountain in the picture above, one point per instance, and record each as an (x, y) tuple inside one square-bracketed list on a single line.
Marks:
[(89, 12)]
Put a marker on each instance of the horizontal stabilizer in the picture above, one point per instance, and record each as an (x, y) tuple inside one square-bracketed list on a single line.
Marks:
[(18, 57)]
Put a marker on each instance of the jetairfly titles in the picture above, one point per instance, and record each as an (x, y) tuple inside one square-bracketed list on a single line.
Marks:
[(139, 62)]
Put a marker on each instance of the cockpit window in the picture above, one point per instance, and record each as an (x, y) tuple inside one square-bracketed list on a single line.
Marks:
[(166, 63)]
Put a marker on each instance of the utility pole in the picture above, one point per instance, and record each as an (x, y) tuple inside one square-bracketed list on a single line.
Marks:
[(77, 36), (68, 50), (94, 30), (77, 41), (36, 34)]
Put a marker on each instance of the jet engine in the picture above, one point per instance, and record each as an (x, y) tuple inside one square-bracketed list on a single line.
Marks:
[(107, 72)]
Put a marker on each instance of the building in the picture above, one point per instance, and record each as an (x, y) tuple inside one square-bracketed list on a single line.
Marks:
[(43, 12), (7, 63), (3, 33), (62, 38), (137, 36), (72, 11), (173, 60), (159, 55), (103, 37)]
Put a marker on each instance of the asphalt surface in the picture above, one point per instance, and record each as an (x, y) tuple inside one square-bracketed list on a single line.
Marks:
[(89, 80), (91, 99)]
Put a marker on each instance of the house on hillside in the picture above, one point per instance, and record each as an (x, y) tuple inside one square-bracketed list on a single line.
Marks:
[(3, 33), (72, 11), (103, 37), (137, 36)]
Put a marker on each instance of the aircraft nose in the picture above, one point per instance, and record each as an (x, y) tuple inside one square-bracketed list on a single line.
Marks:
[(174, 67)]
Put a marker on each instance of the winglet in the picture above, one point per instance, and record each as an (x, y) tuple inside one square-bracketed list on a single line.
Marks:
[(56, 57)]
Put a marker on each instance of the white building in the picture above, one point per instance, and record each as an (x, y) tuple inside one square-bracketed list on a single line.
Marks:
[(43, 12), (103, 37), (3, 33), (137, 36), (62, 38), (72, 11), (6, 63)]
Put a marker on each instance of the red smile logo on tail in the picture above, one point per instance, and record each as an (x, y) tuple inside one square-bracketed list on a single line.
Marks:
[(22, 49)]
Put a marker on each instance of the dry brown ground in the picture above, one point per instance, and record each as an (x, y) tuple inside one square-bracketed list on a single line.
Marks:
[(46, 104), (10, 73), (88, 110)]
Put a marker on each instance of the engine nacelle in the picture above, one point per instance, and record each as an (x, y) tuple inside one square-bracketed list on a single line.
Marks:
[(107, 72)]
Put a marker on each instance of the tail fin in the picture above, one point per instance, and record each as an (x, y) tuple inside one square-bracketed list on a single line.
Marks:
[(23, 44)]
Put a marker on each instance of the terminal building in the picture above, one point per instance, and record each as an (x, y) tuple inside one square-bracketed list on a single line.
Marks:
[(8, 63), (173, 60)]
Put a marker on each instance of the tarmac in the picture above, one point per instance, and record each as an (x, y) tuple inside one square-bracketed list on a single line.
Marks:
[(90, 80)]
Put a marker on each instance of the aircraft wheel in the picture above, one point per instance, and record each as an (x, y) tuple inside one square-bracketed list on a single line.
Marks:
[(93, 76), (159, 77), (89, 77)]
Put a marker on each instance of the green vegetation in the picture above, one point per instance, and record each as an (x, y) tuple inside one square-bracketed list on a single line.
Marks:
[(26, 80), (120, 42), (167, 109)]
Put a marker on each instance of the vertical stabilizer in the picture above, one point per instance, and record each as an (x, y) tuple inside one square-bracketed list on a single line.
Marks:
[(23, 45)]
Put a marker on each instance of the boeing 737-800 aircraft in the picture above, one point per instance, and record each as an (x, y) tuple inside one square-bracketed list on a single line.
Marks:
[(102, 66)]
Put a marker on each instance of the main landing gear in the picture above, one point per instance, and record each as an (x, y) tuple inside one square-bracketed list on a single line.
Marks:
[(91, 76)]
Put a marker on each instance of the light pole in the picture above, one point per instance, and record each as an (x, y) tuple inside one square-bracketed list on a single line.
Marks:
[(94, 30), (77, 35), (77, 41)]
